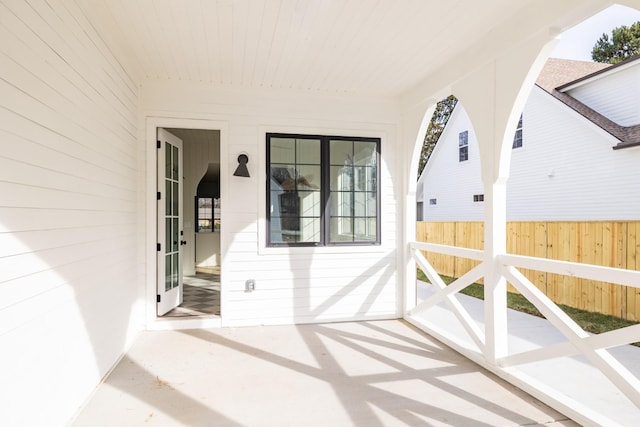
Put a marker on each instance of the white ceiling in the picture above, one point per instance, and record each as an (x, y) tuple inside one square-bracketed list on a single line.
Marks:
[(372, 47)]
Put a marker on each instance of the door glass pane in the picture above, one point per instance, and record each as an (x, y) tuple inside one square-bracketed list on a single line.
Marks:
[(174, 270), (167, 197), (167, 235), (167, 272), (174, 162), (167, 160), (175, 196), (174, 235)]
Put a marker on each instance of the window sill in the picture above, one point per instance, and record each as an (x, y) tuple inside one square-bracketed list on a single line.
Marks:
[(321, 250)]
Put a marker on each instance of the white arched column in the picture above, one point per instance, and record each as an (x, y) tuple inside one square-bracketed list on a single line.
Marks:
[(493, 96)]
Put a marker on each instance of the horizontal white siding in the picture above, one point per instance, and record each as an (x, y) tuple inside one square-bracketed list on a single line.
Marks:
[(70, 274), (566, 170), (303, 284), (448, 180), (616, 97)]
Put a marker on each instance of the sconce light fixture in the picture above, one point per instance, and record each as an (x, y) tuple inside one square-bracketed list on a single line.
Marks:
[(242, 170)]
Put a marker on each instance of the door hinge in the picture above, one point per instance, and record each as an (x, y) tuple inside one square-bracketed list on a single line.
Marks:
[(159, 195), (158, 298), (158, 144), (158, 247)]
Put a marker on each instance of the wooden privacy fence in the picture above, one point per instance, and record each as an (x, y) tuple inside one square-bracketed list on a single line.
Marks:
[(606, 243)]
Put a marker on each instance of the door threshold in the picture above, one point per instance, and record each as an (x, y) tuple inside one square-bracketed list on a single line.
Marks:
[(191, 322)]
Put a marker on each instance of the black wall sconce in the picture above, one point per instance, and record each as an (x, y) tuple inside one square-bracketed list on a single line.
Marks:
[(242, 170)]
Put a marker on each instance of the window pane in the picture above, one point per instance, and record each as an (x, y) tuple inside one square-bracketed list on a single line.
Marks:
[(372, 204), (341, 230), (341, 178), (341, 203), (308, 151), (360, 204), (309, 203), (282, 177), (341, 152), (364, 153), (364, 179), (309, 230), (308, 177), (283, 150)]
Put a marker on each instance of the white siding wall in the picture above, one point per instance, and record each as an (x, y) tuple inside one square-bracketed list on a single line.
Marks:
[(293, 284), (616, 97), (566, 170), (451, 182), (70, 275)]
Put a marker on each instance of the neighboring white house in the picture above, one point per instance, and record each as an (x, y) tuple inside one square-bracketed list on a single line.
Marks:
[(576, 156), (327, 98)]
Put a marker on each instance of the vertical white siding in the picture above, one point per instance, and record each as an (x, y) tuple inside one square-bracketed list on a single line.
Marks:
[(297, 284), (69, 270), (617, 96), (448, 180)]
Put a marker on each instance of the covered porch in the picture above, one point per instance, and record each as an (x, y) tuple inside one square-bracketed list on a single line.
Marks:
[(87, 84), (378, 373)]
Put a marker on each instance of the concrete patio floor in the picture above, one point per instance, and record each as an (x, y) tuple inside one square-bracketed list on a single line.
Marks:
[(377, 373)]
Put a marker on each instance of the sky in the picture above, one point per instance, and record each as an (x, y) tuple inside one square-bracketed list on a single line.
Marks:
[(577, 42)]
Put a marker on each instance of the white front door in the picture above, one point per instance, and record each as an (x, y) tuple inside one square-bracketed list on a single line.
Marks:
[(170, 235)]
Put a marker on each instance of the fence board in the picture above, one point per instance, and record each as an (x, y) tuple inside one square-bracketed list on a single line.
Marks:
[(607, 243)]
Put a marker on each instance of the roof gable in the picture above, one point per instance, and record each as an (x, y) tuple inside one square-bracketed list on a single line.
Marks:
[(560, 74)]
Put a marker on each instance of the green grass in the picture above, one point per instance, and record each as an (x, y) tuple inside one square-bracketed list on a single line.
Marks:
[(596, 323)]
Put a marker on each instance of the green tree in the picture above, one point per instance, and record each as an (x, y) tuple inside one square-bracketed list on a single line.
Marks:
[(623, 43), (439, 120)]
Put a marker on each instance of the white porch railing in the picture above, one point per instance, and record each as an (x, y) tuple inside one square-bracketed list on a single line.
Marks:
[(578, 342)]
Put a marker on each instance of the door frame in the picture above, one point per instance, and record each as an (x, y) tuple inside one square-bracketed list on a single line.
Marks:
[(152, 123)]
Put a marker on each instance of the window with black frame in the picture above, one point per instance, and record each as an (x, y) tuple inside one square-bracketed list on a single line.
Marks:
[(463, 146), (322, 190), (207, 214)]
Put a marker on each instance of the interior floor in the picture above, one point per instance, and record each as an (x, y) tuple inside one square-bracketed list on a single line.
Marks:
[(200, 296)]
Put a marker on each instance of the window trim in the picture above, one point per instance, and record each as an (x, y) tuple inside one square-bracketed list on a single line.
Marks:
[(325, 213)]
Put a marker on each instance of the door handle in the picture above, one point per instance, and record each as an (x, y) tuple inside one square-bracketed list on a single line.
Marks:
[(183, 242)]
